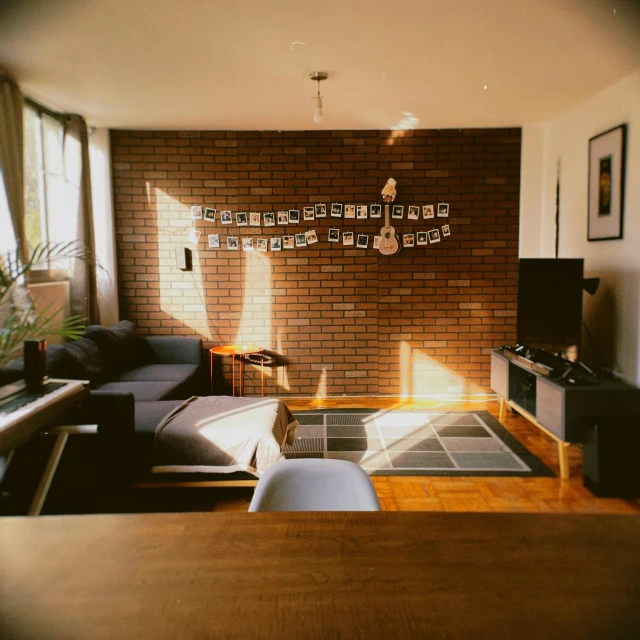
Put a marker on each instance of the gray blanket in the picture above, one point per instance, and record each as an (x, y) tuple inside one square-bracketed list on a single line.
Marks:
[(221, 434)]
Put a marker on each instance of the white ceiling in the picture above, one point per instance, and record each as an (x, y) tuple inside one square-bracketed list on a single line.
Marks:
[(244, 64)]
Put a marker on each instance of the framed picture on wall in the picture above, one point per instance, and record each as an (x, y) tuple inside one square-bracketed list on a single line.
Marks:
[(606, 184)]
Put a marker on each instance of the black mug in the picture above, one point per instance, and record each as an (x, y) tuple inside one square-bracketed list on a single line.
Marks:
[(35, 362)]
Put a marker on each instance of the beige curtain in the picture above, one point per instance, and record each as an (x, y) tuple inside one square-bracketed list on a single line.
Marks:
[(12, 157), (83, 285)]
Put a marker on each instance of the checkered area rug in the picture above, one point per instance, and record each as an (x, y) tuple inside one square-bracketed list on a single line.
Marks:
[(401, 442)]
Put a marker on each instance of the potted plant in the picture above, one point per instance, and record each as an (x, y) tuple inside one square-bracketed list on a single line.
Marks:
[(19, 318)]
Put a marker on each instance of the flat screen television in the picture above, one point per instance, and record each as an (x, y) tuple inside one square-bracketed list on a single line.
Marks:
[(550, 303)]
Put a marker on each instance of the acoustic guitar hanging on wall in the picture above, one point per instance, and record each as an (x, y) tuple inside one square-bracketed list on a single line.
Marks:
[(388, 242)]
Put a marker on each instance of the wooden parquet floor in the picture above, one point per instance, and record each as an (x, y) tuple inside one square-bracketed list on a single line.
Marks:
[(424, 493)]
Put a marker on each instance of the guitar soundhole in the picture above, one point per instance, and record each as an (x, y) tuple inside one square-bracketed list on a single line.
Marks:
[(387, 235)]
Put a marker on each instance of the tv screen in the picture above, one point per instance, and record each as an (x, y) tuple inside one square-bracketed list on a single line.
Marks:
[(550, 302)]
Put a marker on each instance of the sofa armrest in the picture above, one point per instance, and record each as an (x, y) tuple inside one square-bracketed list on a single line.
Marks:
[(170, 349), (113, 412)]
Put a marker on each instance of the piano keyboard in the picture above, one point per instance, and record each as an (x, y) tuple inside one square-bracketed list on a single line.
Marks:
[(25, 412)]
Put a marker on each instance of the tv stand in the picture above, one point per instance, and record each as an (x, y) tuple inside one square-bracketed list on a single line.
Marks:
[(559, 407)]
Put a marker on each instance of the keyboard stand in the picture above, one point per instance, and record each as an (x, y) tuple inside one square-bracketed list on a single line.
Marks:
[(62, 435)]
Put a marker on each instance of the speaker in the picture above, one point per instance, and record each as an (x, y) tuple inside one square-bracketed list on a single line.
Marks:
[(183, 258), (35, 362), (610, 463)]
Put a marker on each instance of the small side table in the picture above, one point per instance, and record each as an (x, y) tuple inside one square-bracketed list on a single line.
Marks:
[(232, 350)]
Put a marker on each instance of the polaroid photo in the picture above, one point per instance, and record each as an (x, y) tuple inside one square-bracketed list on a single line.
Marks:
[(427, 211), (443, 210), (288, 242), (214, 241), (254, 218), (407, 240), (269, 220), (196, 212), (194, 235), (241, 218), (434, 236), (397, 211), (362, 211), (210, 214), (347, 238), (321, 210), (422, 238), (334, 235), (225, 217), (413, 213), (376, 242), (312, 236), (445, 230), (283, 217), (276, 244), (363, 241), (349, 210), (261, 244), (294, 216), (301, 239), (308, 214), (247, 244), (336, 210), (232, 243), (375, 211)]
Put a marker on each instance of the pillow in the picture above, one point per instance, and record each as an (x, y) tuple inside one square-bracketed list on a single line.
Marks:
[(117, 344), (77, 360)]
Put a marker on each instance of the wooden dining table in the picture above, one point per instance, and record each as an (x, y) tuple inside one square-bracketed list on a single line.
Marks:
[(351, 575)]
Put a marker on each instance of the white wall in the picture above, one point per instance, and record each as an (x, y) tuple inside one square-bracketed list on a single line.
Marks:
[(613, 314), (104, 228)]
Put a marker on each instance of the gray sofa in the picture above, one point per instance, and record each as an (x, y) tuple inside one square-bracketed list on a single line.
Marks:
[(135, 382)]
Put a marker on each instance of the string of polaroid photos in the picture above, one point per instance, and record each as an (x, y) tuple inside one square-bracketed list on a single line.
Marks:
[(306, 238)]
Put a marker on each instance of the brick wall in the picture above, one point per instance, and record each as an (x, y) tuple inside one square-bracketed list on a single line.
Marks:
[(351, 321)]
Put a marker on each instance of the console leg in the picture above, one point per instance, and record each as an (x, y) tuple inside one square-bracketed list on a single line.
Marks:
[(563, 455), (502, 413)]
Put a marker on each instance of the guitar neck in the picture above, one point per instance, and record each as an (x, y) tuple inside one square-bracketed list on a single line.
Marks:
[(386, 215)]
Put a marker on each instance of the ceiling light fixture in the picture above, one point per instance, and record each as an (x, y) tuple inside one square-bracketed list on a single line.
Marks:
[(318, 76)]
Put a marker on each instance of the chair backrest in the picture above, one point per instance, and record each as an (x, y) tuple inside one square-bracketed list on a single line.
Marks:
[(312, 484)]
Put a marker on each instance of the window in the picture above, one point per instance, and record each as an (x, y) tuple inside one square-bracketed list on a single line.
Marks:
[(7, 237), (52, 173)]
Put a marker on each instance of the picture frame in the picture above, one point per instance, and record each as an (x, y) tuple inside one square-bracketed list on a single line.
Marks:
[(349, 210), (312, 236), (294, 216), (376, 242), (375, 211), (232, 243), (362, 241), (321, 210), (214, 241), (210, 214), (269, 219), (443, 209), (254, 218), (434, 236), (334, 235), (397, 211), (361, 211), (226, 217), (413, 212), (428, 212), (336, 210), (247, 244), (607, 167), (408, 240), (308, 214), (283, 217), (446, 231), (289, 242), (261, 244), (422, 239), (196, 212), (193, 235), (276, 244), (347, 238), (301, 240), (241, 219)]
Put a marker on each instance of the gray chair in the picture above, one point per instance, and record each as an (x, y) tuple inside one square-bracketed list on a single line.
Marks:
[(315, 485)]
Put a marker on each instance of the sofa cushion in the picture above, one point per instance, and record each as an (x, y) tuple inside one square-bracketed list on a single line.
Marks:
[(158, 373), (117, 344), (145, 391), (77, 360)]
